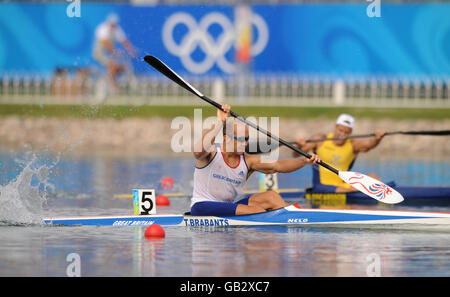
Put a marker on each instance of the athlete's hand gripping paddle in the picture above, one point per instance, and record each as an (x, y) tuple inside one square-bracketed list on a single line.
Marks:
[(368, 185)]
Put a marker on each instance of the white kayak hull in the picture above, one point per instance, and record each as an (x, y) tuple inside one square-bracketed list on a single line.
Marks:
[(290, 215)]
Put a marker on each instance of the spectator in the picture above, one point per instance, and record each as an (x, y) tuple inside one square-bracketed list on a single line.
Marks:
[(107, 34)]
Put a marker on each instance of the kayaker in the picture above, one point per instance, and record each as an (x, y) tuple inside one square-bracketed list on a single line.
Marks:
[(222, 169), (340, 154)]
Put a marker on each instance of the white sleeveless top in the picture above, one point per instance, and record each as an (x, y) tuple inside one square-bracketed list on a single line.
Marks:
[(218, 181)]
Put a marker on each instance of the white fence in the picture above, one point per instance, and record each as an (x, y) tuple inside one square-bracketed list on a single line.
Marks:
[(268, 90)]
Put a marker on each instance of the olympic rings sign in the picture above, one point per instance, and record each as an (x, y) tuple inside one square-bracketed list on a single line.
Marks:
[(213, 48)]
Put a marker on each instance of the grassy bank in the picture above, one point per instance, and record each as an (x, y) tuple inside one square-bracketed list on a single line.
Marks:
[(121, 112)]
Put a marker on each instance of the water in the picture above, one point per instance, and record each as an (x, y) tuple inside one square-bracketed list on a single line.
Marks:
[(34, 185)]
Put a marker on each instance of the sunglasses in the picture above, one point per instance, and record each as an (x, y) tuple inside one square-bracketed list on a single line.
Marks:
[(240, 138)]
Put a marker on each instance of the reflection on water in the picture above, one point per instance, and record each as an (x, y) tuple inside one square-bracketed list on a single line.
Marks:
[(241, 251), (44, 184)]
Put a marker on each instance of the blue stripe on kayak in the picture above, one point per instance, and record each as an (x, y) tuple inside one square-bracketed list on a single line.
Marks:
[(118, 221), (282, 216)]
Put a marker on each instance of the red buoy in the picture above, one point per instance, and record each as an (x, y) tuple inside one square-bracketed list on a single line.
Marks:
[(162, 200), (155, 231), (167, 182)]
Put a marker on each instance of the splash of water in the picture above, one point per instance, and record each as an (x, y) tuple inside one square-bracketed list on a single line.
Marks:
[(22, 199)]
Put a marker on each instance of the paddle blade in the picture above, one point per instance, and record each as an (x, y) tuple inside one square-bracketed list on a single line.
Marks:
[(168, 72), (371, 187)]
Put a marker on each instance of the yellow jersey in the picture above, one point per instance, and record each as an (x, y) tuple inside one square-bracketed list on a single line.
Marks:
[(340, 157)]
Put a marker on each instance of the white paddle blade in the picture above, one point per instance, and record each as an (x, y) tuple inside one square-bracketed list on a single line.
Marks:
[(371, 187)]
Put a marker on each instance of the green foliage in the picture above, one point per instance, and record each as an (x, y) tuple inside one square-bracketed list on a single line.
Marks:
[(145, 111)]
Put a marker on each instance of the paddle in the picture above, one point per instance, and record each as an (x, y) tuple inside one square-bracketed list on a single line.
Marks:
[(432, 133), (370, 186), (251, 147)]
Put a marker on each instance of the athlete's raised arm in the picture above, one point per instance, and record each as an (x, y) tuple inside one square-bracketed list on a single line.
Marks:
[(366, 145), (204, 148)]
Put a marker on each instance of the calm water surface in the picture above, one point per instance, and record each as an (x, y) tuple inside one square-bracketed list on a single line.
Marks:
[(36, 185)]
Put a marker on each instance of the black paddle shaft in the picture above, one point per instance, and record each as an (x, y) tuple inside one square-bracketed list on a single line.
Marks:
[(432, 133), (164, 69)]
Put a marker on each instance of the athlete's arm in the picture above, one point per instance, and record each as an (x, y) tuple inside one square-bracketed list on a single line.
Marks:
[(129, 48), (283, 166), (204, 148), (365, 146), (307, 146)]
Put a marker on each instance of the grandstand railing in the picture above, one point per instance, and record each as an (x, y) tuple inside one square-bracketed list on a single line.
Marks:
[(269, 90)]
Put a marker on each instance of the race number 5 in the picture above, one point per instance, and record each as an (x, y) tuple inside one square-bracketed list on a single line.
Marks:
[(144, 201)]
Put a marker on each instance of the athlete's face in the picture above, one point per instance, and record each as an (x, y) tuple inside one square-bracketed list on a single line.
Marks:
[(240, 139), (341, 131)]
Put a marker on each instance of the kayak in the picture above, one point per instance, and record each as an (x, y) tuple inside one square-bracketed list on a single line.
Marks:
[(289, 215), (413, 196)]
